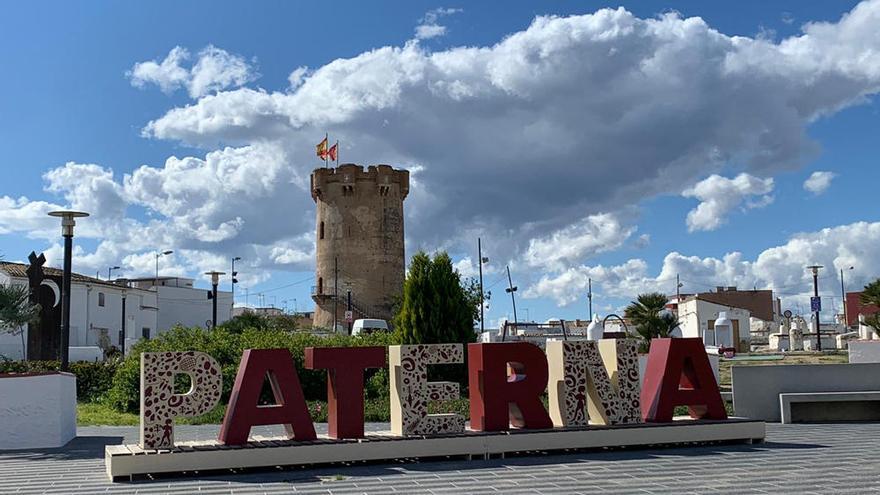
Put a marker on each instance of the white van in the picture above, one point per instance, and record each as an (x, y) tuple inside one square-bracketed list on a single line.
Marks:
[(368, 326)]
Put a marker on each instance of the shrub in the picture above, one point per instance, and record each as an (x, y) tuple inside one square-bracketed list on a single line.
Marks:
[(226, 346), (93, 380)]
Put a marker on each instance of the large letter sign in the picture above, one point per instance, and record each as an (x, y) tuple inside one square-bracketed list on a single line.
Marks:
[(411, 390), (679, 374), (601, 378), (345, 384), (160, 405), (499, 400), (244, 411)]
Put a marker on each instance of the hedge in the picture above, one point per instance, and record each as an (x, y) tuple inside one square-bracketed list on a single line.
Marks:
[(93, 380), (226, 347)]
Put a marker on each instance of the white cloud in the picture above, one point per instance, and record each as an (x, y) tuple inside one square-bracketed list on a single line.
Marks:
[(215, 70), (719, 195), (781, 268), (818, 182), (590, 236), (479, 119), (429, 28)]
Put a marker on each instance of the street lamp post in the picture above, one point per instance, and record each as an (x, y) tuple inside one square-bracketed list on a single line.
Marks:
[(815, 270), (122, 327), (110, 270), (67, 223), (234, 280), (159, 255), (511, 289), (215, 279)]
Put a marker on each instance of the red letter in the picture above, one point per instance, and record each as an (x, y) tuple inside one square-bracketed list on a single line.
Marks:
[(679, 374), (290, 409), (345, 384), (498, 400)]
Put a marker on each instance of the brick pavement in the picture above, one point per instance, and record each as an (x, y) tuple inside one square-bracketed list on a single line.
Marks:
[(802, 459)]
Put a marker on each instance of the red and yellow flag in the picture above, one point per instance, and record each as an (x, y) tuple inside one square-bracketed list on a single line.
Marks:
[(321, 149), (332, 151)]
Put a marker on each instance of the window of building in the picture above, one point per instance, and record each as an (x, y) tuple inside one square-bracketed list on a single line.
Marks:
[(321, 231), (145, 332), (320, 285), (100, 299)]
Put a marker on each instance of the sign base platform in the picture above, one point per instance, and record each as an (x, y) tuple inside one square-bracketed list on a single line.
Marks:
[(124, 462)]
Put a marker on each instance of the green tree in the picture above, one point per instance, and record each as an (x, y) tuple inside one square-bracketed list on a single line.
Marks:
[(16, 310), (871, 296), (647, 314), (436, 306)]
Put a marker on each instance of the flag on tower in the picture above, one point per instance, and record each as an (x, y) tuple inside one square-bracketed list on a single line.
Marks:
[(321, 149), (332, 151)]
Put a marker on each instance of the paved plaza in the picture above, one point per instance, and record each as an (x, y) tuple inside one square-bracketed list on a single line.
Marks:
[(823, 458)]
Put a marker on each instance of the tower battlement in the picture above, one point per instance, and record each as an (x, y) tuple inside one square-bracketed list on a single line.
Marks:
[(380, 177)]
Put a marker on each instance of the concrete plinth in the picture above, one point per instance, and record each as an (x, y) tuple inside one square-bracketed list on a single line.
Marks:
[(37, 410), (864, 351)]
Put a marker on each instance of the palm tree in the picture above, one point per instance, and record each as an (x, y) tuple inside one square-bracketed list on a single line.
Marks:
[(649, 318), (871, 296), (16, 310)]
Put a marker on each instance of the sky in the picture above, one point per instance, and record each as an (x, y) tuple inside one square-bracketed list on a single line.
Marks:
[(728, 144)]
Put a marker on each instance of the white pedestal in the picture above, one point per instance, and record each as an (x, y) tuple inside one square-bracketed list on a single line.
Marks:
[(37, 410), (864, 351)]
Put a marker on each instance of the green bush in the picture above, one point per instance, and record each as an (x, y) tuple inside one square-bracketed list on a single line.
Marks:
[(93, 380), (226, 346)]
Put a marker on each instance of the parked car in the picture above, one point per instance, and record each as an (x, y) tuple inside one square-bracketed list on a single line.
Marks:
[(368, 326)]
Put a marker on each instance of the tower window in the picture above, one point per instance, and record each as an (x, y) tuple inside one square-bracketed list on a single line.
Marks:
[(100, 299), (321, 231), (320, 285)]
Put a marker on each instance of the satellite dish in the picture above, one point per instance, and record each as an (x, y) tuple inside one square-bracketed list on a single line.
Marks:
[(52, 285), (787, 313)]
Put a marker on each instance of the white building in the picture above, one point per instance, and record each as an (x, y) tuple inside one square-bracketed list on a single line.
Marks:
[(96, 308), (182, 304), (697, 319)]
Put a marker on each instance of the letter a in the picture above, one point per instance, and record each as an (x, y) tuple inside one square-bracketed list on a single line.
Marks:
[(244, 411), (679, 374)]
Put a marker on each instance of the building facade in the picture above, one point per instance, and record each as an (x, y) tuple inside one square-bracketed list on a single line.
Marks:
[(359, 241), (152, 306), (697, 317)]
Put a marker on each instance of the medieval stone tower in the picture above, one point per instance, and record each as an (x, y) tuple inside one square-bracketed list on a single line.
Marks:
[(359, 241)]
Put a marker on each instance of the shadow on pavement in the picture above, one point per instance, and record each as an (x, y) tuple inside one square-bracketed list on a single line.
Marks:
[(90, 447)]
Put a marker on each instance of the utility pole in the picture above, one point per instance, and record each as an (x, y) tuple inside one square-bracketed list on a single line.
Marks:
[(335, 293), (349, 309), (159, 255), (480, 262), (590, 297), (110, 270), (843, 298), (677, 289), (815, 270), (511, 290)]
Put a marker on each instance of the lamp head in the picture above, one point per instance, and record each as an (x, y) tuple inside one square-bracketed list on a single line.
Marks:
[(68, 220)]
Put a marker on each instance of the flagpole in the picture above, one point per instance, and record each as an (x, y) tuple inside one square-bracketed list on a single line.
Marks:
[(337, 153), (326, 140)]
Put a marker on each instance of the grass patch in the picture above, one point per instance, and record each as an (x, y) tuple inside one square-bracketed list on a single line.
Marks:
[(96, 414)]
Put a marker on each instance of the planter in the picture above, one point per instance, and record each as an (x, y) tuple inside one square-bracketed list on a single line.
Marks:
[(37, 410), (864, 351)]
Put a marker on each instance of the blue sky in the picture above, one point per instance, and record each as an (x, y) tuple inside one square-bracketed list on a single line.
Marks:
[(72, 95)]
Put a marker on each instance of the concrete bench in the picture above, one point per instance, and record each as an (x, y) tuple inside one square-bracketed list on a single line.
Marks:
[(830, 406)]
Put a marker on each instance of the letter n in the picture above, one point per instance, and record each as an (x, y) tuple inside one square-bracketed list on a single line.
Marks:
[(244, 411), (679, 374)]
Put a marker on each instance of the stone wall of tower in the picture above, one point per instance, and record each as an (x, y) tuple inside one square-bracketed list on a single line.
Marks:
[(359, 236)]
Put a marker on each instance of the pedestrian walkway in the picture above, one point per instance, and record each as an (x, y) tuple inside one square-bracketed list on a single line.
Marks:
[(802, 459)]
